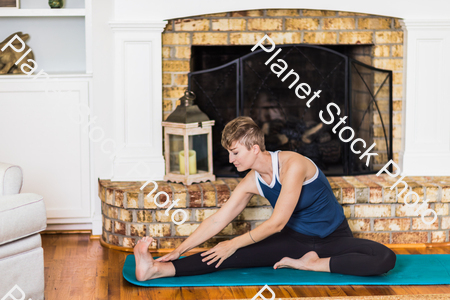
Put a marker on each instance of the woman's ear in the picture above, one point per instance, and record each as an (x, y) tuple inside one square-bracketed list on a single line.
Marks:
[(256, 149)]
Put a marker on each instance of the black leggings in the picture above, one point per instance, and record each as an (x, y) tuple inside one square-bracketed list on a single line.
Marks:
[(349, 255)]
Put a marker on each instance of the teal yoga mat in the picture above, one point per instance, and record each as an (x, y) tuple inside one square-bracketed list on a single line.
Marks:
[(420, 269)]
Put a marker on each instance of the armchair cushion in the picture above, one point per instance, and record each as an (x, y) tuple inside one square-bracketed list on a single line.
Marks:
[(21, 215), (20, 246)]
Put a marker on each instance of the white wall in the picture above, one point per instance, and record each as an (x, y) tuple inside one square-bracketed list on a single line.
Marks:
[(102, 105), (163, 10), (52, 50)]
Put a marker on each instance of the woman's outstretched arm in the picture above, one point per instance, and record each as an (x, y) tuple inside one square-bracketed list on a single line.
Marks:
[(292, 179), (216, 222)]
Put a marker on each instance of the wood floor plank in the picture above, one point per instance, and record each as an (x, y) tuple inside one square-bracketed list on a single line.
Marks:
[(355, 290), (335, 291), (286, 292), (243, 292), (194, 293), (101, 288), (113, 275), (220, 292), (77, 267), (163, 293)]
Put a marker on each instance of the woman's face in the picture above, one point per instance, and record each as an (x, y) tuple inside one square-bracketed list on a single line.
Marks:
[(242, 158)]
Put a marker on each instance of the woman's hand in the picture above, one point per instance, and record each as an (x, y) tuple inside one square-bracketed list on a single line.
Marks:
[(174, 255), (220, 252)]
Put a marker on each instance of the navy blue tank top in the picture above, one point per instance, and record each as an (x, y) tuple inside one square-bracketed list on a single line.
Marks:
[(317, 212)]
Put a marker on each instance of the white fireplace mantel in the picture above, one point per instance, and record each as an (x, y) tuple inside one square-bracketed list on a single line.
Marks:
[(137, 100)]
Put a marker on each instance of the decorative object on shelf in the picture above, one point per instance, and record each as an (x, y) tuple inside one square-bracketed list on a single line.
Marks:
[(188, 130), (55, 3), (9, 4), (11, 61)]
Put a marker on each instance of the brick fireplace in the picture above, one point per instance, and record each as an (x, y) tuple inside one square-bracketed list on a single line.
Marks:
[(298, 26), (373, 210)]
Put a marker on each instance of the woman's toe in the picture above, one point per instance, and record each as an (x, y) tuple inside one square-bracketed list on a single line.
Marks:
[(284, 262)]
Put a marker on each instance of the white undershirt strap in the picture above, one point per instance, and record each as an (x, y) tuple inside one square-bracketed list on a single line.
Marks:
[(315, 174), (276, 174)]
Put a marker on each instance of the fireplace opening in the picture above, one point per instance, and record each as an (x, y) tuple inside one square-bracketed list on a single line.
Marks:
[(232, 81)]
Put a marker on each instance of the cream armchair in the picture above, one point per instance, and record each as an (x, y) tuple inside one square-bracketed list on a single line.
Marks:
[(22, 217)]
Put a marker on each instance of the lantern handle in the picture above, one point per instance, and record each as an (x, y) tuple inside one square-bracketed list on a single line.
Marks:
[(189, 95)]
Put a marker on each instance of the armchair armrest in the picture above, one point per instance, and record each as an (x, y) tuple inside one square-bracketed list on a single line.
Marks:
[(21, 215), (11, 179)]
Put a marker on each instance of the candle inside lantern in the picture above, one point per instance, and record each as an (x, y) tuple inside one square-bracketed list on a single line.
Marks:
[(192, 162)]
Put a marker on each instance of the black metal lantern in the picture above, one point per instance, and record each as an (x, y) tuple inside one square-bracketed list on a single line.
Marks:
[(188, 143)]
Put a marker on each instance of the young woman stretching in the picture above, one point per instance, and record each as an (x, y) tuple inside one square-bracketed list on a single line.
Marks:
[(307, 229)]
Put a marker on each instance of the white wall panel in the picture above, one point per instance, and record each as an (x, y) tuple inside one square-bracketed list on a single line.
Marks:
[(426, 106), (39, 131), (427, 130), (137, 101), (138, 75)]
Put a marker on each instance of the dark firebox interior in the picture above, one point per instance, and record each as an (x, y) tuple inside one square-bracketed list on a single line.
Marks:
[(231, 81)]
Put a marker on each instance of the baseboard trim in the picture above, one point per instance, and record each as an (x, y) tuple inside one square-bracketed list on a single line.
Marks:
[(91, 236), (64, 231), (68, 226)]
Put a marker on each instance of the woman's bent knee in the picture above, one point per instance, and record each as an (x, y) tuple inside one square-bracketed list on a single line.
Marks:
[(385, 261)]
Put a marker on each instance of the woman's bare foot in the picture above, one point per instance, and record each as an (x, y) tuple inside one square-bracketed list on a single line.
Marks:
[(145, 265), (309, 262)]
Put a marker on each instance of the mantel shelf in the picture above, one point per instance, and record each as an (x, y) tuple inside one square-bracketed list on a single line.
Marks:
[(58, 76), (44, 12)]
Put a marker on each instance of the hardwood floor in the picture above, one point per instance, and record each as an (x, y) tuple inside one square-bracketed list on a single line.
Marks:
[(79, 268)]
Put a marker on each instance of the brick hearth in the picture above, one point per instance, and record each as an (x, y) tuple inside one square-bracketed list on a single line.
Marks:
[(372, 209)]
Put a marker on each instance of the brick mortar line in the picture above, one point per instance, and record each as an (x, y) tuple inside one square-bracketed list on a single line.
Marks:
[(320, 28), (396, 204), (179, 72), (192, 209), (429, 231), (411, 218), (396, 231), (125, 200), (171, 236), (300, 16), (175, 59)]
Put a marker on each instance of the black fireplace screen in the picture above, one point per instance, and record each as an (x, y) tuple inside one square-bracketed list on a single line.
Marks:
[(247, 86)]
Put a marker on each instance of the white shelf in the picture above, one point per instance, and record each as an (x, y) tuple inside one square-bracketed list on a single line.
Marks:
[(51, 76), (56, 12)]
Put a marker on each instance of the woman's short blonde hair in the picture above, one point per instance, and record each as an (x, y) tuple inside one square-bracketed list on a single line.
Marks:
[(245, 131)]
